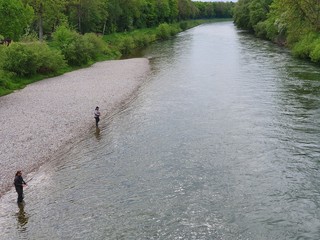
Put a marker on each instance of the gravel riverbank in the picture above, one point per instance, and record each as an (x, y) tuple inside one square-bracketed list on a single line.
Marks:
[(41, 118)]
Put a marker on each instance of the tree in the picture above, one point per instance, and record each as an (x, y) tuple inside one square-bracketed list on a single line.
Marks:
[(47, 12), (15, 18), (311, 11), (88, 15), (248, 13), (242, 15), (187, 9), (174, 11)]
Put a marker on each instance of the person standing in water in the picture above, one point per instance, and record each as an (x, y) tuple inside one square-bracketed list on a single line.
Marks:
[(19, 183), (97, 115)]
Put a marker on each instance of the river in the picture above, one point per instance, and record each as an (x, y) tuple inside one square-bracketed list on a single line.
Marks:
[(221, 142)]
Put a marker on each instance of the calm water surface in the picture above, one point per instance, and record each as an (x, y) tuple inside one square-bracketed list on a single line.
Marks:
[(222, 142)]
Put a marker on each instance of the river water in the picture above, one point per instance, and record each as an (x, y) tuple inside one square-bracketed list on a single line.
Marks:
[(221, 142)]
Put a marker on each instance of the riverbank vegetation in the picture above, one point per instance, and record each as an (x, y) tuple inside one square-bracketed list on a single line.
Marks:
[(293, 23), (44, 38)]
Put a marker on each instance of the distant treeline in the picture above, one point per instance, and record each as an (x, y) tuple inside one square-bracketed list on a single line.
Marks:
[(20, 17), (293, 23)]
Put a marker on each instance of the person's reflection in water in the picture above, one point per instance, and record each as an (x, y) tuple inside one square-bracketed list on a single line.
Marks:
[(22, 217), (97, 133)]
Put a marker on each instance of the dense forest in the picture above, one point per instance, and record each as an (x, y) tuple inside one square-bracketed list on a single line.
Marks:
[(293, 23), (19, 17)]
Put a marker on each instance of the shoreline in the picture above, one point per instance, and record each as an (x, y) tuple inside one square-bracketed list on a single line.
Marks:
[(45, 116)]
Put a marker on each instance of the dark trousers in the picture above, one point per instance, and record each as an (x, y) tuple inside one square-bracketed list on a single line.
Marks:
[(97, 120), (20, 193)]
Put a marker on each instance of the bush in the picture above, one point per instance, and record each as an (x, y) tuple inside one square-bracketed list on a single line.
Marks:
[(19, 59), (6, 86), (126, 45), (63, 36), (98, 45), (315, 53), (3, 82), (305, 45), (2, 49), (78, 52), (183, 25), (79, 49), (261, 30), (141, 41), (27, 59), (163, 31), (174, 30), (47, 60)]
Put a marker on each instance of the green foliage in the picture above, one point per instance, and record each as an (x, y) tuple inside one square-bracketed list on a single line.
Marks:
[(27, 59), (30, 37), (78, 52), (305, 46), (242, 15), (19, 59), (141, 41), (126, 45), (183, 25), (295, 23), (101, 16), (6, 85), (48, 14), (187, 9), (47, 60), (163, 31), (315, 53), (98, 45), (249, 13), (63, 36), (15, 18), (174, 29), (2, 49), (260, 30), (76, 48)]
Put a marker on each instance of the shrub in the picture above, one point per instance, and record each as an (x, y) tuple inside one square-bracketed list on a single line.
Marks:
[(2, 49), (29, 37), (163, 31), (141, 41), (78, 52), (26, 59), (261, 30), (19, 59), (183, 25), (315, 53), (98, 45), (47, 60), (6, 86), (174, 30), (63, 36), (127, 45), (79, 49), (3, 82), (305, 45)]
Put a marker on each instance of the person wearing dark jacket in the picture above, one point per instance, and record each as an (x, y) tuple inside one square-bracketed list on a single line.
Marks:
[(19, 183), (97, 115)]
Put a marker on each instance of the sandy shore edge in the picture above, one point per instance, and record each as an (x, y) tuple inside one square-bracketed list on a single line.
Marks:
[(41, 118)]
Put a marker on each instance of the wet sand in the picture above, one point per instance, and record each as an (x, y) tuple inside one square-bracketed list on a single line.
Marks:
[(41, 118)]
